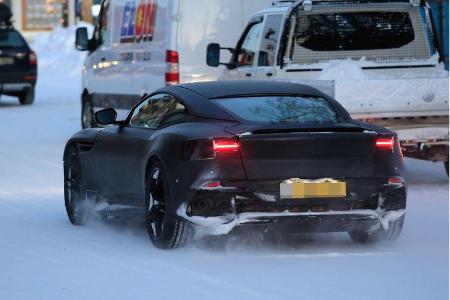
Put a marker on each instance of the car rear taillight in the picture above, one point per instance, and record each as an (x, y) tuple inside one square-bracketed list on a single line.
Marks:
[(211, 148), (225, 145), (172, 71), (385, 143), (211, 185), (32, 58), (396, 181)]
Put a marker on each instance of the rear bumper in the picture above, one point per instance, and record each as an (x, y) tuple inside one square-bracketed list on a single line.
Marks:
[(222, 210), (307, 222), (15, 87), (17, 82)]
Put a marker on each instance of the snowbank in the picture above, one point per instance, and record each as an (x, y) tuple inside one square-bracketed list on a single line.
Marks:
[(57, 54), (342, 69), (386, 93)]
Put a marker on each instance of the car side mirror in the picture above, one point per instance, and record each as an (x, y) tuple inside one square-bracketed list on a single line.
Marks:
[(81, 39), (106, 116), (213, 55)]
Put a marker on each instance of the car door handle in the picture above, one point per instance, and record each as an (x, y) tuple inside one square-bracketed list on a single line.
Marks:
[(248, 74), (102, 59), (269, 74)]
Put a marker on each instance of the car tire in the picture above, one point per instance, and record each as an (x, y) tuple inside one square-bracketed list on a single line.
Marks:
[(87, 112), (77, 206), (391, 234), (446, 166), (27, 96), (165, 228)]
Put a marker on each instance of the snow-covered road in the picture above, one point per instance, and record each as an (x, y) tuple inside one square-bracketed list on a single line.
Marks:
[(42, 256)]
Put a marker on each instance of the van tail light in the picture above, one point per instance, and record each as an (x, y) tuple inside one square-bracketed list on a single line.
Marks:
[(384, 143), (225, 145), (173, 68), (32, 58)]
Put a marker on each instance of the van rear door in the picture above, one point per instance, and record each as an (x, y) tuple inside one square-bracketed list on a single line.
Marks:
[(152, 41)]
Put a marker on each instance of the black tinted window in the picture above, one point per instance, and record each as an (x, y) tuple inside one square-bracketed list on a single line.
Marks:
[(281, 109), (151, 112), (354, 31), (11, 39)]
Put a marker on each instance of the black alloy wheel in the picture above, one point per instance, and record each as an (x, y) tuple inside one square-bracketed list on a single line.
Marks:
[(74, 189), (156, 207), (165, 228)]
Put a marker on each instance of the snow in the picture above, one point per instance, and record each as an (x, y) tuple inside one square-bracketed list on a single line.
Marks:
[(393, 92), (364, 63), (42, 256), (342, 69), (56, 53)]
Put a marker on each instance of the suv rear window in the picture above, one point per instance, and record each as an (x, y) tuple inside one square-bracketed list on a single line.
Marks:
[(355, 31), (281, 109), (371, 32), (11, 39)]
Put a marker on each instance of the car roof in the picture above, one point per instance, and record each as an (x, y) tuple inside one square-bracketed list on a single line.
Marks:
[(226, 89), (197, 95)]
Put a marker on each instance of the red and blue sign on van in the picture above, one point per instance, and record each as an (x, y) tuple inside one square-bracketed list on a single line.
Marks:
[(138, 23)]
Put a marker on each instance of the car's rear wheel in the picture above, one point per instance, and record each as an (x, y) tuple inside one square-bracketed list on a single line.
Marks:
[(87, 112), (74, 188), (390, 234), (446, 166), (26, 97), (165, 229)]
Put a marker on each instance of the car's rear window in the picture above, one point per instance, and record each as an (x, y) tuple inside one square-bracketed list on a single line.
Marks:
[(355, 31), (360, 31), (11, 39), (281, 109)]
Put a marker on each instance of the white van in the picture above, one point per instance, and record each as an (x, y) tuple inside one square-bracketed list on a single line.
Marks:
[(379, 59), (141, 45)]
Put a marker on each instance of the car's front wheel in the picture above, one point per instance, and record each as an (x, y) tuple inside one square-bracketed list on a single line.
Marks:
[(390, 234), (74, 188), (165, 228)]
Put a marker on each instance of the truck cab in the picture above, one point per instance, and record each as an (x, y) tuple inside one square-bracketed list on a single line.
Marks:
[(380, 60)]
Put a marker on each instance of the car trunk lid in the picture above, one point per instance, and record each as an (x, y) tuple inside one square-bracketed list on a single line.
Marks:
[(316, 152)]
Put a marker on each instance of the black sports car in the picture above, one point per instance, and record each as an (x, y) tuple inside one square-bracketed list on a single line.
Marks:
[(210, 158)]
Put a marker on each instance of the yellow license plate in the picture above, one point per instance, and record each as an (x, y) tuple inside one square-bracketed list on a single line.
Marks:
[(296, 188)]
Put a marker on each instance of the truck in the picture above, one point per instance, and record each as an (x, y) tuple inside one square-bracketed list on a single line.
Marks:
[(379, 59)]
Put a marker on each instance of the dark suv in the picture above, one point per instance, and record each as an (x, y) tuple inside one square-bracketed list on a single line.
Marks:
[(18, 63)]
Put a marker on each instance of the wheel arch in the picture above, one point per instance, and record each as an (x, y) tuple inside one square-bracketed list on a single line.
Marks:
[(68, 146), (86, 137)]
